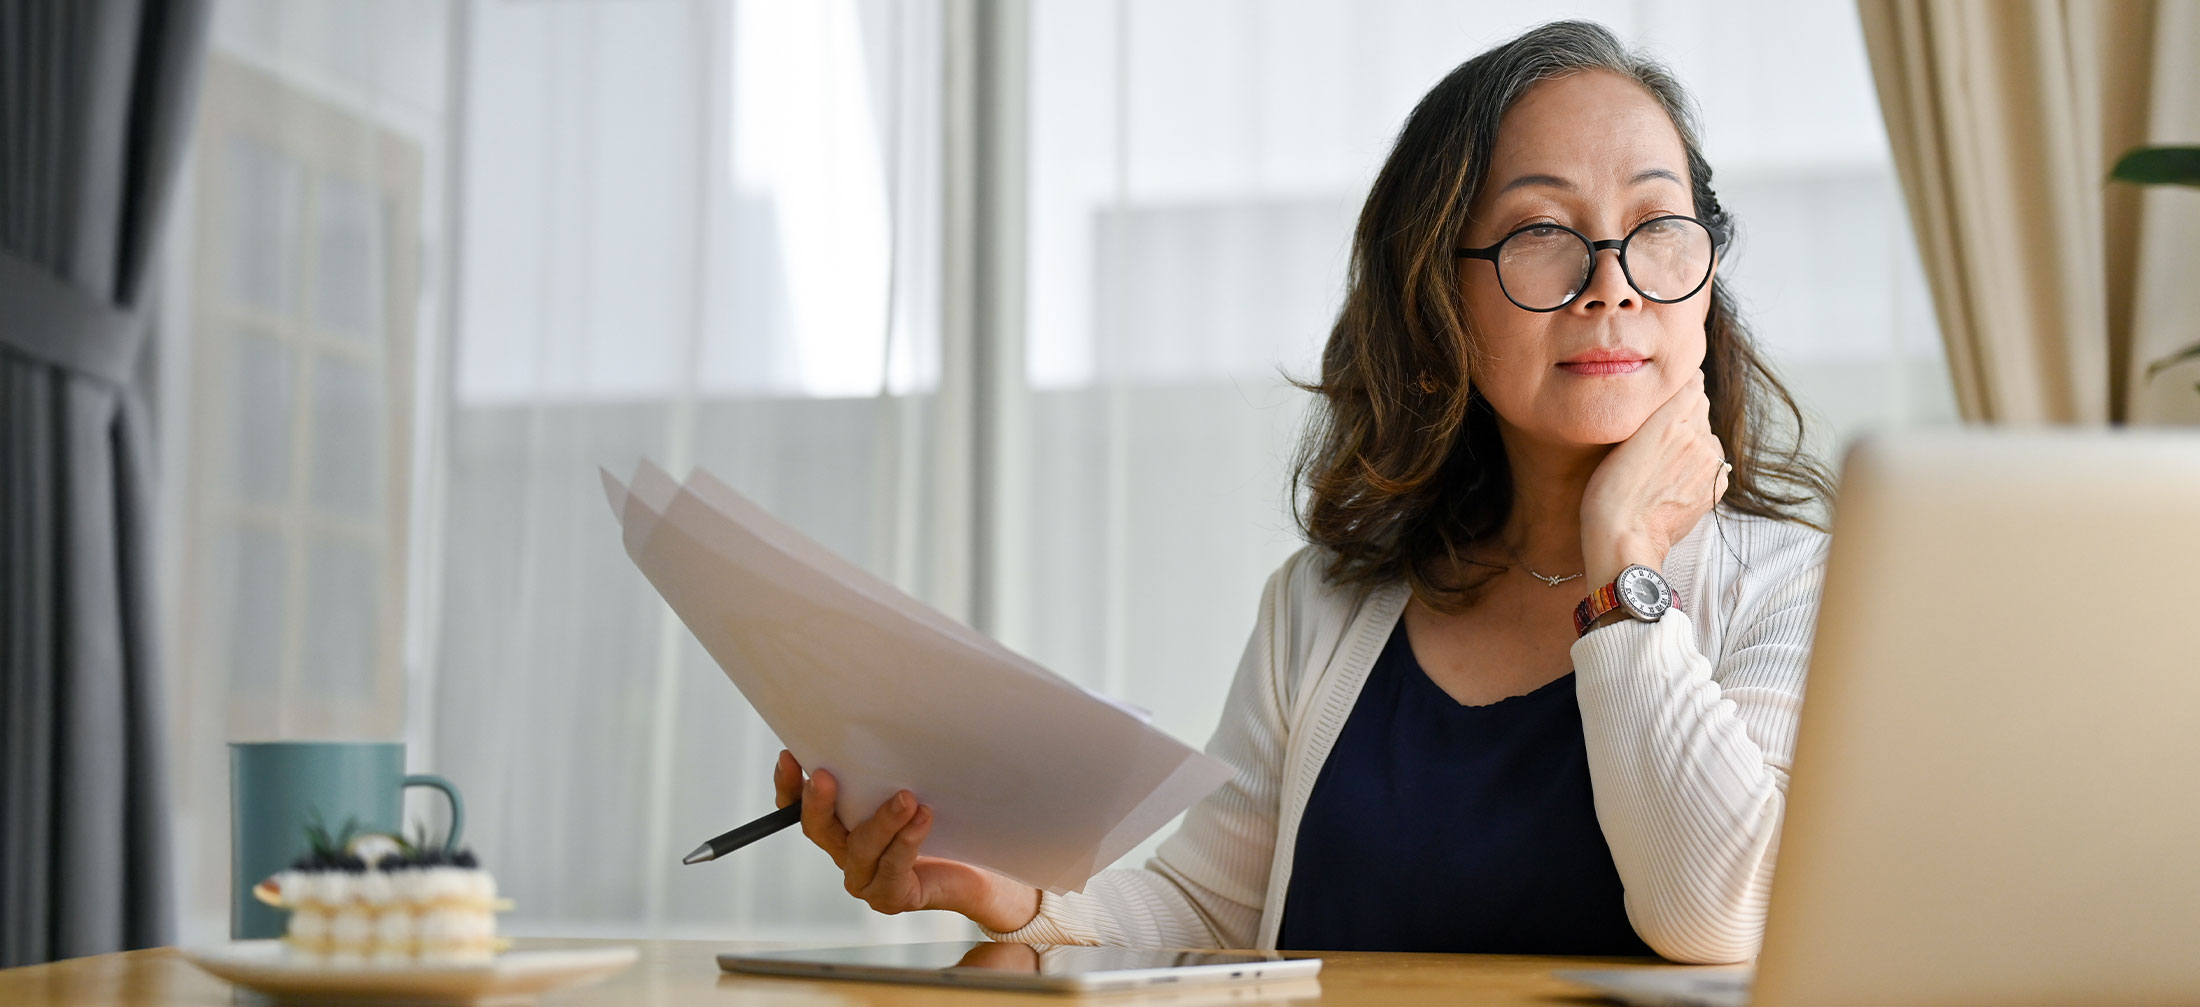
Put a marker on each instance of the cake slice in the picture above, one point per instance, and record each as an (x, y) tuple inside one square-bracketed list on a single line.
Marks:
[(376, 899)]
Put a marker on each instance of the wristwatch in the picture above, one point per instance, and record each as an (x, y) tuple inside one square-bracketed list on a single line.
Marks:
[(1638, 590)]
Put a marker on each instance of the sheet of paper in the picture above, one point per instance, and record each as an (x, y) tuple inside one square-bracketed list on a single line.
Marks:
[(1027, 773)]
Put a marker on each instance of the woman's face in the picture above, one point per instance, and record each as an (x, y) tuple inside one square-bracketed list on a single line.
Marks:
[(1595, 152)]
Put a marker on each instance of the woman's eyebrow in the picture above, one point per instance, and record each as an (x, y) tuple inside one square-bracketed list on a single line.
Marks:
[(1555, 182)]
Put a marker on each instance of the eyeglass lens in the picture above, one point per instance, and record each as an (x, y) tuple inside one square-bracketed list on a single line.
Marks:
[(1544, 267)]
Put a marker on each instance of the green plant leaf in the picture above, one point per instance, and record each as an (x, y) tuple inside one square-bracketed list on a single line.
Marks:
[(2173, 360), (317, 837), (2158, 166)]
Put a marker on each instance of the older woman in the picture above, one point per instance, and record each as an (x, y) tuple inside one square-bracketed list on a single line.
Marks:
[(1533, 685)]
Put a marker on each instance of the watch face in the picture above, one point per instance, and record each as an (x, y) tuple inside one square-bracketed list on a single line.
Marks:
[(1644, 592)]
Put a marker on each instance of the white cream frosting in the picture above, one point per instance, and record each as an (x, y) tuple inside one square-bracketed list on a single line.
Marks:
[(389, 917)]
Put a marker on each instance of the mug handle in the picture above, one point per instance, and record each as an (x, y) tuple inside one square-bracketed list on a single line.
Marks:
[(450, 790)]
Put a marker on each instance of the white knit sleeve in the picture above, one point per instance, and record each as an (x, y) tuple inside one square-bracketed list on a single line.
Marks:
[(1204, 887), (1689, 762)]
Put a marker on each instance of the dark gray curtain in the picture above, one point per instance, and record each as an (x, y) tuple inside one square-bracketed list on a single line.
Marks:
[(95, 99)]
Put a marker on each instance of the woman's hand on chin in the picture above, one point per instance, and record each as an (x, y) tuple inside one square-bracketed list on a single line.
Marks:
[(1654, 487), (879, 862)]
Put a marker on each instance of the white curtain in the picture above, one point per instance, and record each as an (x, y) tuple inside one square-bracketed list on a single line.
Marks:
[(705, 233), (711, 233), (300, 298), (701, 232)]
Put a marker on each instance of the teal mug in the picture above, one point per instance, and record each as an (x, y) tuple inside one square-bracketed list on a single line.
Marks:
[(278, 788)]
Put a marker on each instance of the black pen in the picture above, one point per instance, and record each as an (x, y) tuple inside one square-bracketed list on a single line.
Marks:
[(747, 834)]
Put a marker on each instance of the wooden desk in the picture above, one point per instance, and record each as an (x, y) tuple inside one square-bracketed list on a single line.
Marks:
[(686, 972)]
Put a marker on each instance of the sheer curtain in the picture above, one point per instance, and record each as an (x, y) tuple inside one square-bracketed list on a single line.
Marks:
[(701, 232), (300, 283), (705, 233), (449, 256)]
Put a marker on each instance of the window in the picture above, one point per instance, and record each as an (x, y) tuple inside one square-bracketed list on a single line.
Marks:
[(303, 286)]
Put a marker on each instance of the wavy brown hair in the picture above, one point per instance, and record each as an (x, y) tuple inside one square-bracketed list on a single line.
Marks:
[(1402, 467)]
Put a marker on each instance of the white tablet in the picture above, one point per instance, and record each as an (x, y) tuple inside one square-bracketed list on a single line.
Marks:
[(997, 965)]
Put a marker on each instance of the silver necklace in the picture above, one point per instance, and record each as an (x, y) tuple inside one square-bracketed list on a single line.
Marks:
[(1544, 577), (1552, 581)]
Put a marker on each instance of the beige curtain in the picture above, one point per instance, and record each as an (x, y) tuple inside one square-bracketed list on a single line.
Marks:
[(2054, 288)]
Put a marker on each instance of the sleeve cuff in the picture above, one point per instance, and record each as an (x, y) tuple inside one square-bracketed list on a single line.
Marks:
[(1626, 644), (1043, 929)]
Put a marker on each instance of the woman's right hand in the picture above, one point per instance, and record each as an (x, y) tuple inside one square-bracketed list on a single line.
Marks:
[(879, 862)]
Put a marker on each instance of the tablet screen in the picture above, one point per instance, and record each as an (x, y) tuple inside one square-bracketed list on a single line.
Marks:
[(1028, 965)]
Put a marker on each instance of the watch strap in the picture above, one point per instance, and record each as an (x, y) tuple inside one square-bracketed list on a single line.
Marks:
[(1594, 607)]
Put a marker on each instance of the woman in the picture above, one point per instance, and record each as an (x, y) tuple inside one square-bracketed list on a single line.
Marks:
[(1533, 685)]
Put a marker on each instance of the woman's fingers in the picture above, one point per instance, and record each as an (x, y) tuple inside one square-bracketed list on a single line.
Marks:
[(1681, 403), (1650, 488), (895, 887), (786, 779), (878, 858), (869, 839), (818, 820), (1686, 412)]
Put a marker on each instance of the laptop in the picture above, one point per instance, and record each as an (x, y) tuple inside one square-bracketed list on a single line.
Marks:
[(1996, 790)]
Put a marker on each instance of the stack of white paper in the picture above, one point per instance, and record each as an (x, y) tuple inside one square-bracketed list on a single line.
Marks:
[(1027, 773)]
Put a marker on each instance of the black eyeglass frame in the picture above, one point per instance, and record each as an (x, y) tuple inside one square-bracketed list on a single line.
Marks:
[(1490, 252)]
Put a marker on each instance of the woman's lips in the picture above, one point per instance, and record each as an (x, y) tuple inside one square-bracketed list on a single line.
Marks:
[(1605, 367)]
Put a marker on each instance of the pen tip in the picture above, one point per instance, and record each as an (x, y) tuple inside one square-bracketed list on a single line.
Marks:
[(701, 854)]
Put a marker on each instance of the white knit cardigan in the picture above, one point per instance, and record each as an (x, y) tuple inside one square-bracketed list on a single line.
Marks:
[(1689, 722)]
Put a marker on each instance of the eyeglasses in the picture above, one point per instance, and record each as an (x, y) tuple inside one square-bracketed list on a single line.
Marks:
[(1545, 267)]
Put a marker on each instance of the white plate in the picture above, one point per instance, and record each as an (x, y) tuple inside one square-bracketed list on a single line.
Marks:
[(514, 977)]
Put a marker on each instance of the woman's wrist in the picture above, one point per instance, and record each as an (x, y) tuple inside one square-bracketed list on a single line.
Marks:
[(1606, 561), (1611, 618), (1011, 908)]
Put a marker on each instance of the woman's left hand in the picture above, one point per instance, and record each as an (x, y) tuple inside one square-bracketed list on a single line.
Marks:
[(1653, 488)]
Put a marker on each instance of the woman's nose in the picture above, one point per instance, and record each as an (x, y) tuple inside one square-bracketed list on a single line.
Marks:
[(1607, 284)]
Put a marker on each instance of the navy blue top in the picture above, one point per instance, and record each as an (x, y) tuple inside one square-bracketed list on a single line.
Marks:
[(1440, 827)]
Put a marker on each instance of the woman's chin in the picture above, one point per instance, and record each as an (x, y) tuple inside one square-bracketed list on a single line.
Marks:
[(1599, 427)]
